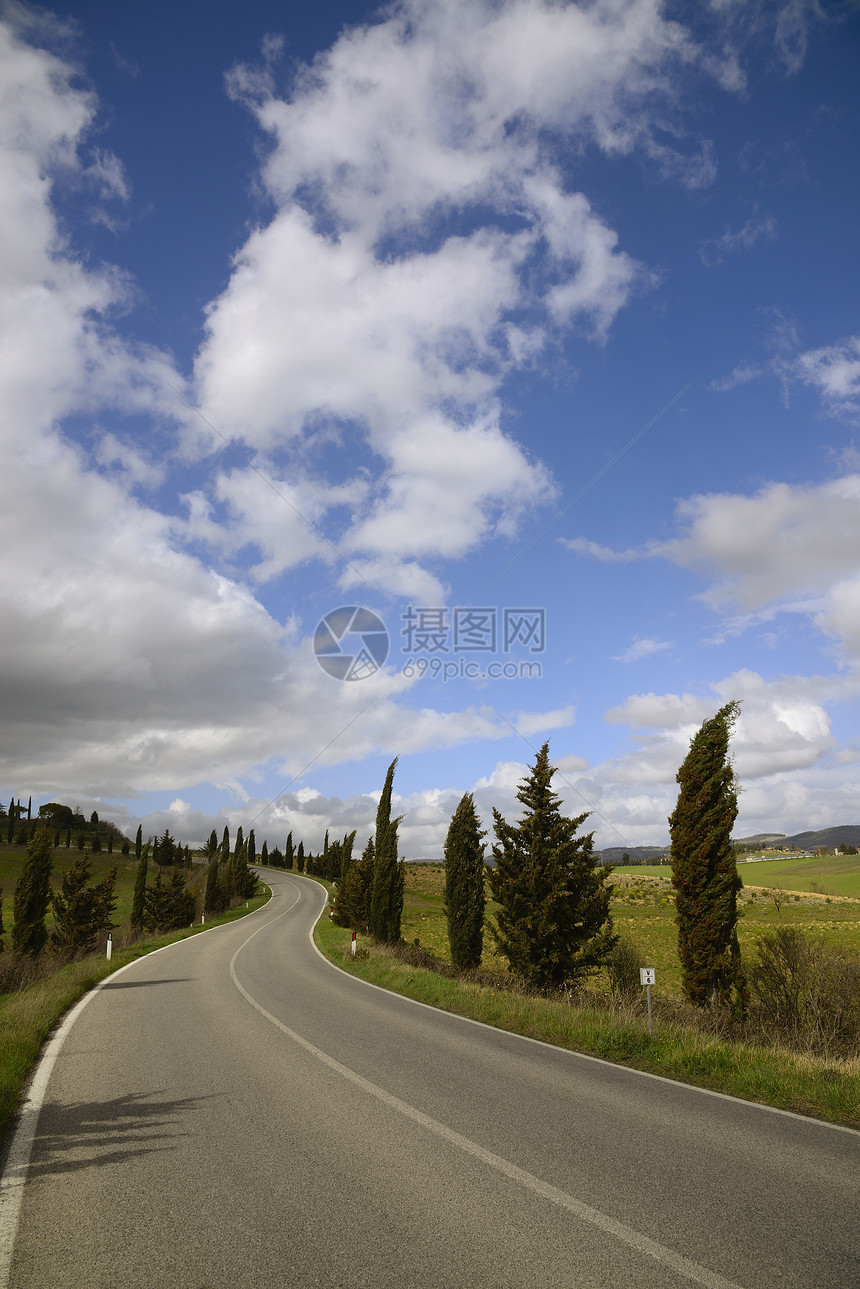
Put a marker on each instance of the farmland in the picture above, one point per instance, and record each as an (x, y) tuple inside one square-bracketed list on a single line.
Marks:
[(643, 908)]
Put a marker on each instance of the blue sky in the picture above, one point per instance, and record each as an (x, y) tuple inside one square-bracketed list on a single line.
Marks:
[(469, 315)]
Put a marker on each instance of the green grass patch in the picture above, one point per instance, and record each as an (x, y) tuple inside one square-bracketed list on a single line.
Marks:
[(28, 1017)]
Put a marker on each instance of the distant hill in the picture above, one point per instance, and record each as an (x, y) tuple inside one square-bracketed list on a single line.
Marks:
[(848, 834), (638, 854), (760, 839)]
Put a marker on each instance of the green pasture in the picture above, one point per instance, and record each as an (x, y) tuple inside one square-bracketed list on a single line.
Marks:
[(643, 908), (821, 874)]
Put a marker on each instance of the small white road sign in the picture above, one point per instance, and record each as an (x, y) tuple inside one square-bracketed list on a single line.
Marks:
[(647, 976)]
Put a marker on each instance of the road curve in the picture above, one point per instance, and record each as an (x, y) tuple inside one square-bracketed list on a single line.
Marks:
[(234, 1111)]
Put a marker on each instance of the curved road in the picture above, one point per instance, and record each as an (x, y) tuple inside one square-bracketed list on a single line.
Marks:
[(233, 1111)]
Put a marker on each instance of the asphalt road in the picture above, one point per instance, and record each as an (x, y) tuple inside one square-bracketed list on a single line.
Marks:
[(233, 1111)]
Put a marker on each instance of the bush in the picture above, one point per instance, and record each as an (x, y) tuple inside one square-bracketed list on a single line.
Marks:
[(623, 968), (807, 993)]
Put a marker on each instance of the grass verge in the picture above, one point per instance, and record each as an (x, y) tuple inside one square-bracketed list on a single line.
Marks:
[(807, 1085), (27, 1017)]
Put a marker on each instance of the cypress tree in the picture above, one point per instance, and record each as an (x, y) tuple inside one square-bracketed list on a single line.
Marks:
[(355, 892), (225, 845), (704, 872), (138, 843), (332, 862), (156, 899), (32, 896), (179, 905), (464, 886), (346, 855), (68, 836), (252, 849), (138, 902), (81, 911), (264, 855), (553, 924), (386, 906), (288, 852), (300, 858), (210, 850), (211, 900)]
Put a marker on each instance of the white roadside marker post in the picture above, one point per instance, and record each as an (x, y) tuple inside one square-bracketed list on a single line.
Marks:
[(648, 977), (110, 946), (352, 946)]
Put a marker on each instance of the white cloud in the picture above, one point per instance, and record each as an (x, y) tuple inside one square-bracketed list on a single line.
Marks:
[(530, 723), (355, 310), (834, 371), (642, 647), (793, 546), (714, 250), (582, 546)]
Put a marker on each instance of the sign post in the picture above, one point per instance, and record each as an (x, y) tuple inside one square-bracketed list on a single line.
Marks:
[(648, 977), (352, 946), (110, 945)]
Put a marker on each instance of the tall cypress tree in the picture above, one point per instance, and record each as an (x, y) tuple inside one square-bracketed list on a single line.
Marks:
[(211, 898), (288, 852), (138, 843), (138, 902), (553, 924), (464, 886), (264, 854), (386, 907), (252, 849), (300, 858), (355, 892), (33, 895), (704, 872), (346, 855)]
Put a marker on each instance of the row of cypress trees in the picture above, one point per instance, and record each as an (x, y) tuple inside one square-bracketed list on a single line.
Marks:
[(553, 923)]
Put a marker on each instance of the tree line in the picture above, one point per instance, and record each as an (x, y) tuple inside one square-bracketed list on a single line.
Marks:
[(553, 923)]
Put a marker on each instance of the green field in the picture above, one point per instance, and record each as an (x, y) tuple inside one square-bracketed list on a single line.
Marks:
[(824, 874), (643, 908)]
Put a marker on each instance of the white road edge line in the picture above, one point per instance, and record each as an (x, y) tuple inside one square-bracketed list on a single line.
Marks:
[(624, 1234), (807, 1120), (17, 1162)]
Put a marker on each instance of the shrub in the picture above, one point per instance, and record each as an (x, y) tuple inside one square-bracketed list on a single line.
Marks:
[(623, 966), (807, 993)]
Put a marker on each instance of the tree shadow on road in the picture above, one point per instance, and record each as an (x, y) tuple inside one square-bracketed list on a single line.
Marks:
[(94, 1134)]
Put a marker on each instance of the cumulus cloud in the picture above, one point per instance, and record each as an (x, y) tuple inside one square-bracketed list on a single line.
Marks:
[(358, 311), (788, 545)]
